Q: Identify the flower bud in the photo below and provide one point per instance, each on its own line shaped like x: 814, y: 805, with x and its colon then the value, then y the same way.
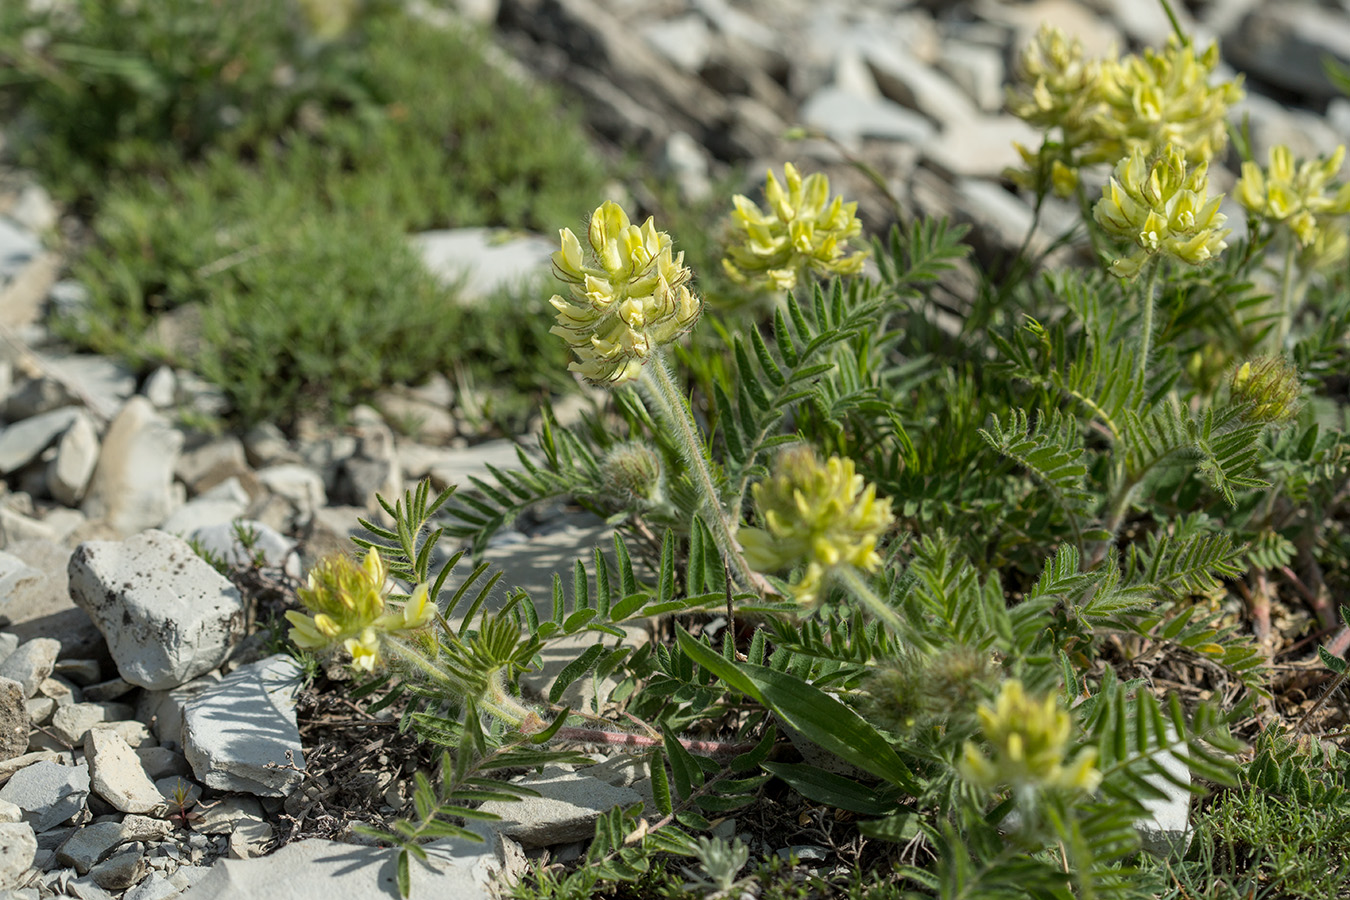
x: 632, y: 472
x: 1270, y: 388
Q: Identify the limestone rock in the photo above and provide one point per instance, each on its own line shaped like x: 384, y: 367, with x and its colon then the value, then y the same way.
x: 117, y: 776
x: 31, y: 663
x: 14, y: 719
x: 21, y: 442
x: 76, y: 456
x: 569, y: 805
x: 316, y: 869
x: 48, y: 793
x: 241, y: 734
x: 18, y: 849
x: 132, y: 487
x: 167, y: 615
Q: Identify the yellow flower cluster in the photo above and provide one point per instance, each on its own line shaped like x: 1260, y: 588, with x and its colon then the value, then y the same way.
x: 348, y: 603
x: 820, y: 514
x: 803, y: 231
x: 630, y: 297
x: 1029, y: 739
x: 1165, y: 98
x: 1163, y: 209
x: 1297, y: 196
x: 1105, y: 110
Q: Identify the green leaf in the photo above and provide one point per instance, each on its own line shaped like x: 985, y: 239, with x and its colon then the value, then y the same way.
x: 578, y: 620
x: 829, y: 723
x: 897, y: 828
x: 574, y: 670
x: 714, y: 662
x: 404, y: 876
x: 1334, y: 663
x: 656, y: 766
x: 816, y: 784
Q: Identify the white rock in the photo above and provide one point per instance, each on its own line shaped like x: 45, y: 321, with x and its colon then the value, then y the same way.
x: 1167, y: 829
x: 21, y: 442
x: 979, y: 147
x: 848, y: 117
x: 241, y: 735
x: 566, y: 810
x: 116, y: 774
x: 99, y: 382
x: 71, y: 722
x: 483, y: 261
x: 913, y: 83
x: 685, y: 40
x: 16, y: 527
x: 316, y: 869
x: 31, y: 663
x: 15, y: 574
x: 132, y: 487
x: 18, y: 849
x: 154, y: 887
x: 76, y: 456
x: 161, y: 388
x: 219, y: 506
x: 40, y: 607
x: 1285, y: 44
x: 977, y: 70
x: 277, y: 550
x: 166, y: 614
x: 298, y: 485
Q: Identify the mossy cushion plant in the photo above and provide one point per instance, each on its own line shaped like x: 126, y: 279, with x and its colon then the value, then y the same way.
x: 269, y: 179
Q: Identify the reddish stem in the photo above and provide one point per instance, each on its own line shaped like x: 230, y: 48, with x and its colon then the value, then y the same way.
x: 641, y: 741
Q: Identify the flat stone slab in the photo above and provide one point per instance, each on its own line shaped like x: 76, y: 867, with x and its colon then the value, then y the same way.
x: 241, y: 735
x: 48, y: 793
x: 166, y: 614
x: 567, y: 810
x: 326, y: 870
x: 483, y: 260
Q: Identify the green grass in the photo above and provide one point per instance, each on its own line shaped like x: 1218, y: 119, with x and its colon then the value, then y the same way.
x: 1284, y: 832
x: 287, y: 231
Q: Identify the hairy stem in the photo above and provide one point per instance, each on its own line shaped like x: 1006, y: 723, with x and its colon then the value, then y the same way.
x: 852, y: 581
x: 1287, y: 293
x: 1150, y: 291
x: 673, y: 412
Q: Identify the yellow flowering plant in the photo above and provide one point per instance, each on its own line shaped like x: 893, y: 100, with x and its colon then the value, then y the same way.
x: 1029, y: 739
x: 1306, y: 210
x: 349, y: 610
x: 803, y: 233
x: 629, y: 298
x: 903, y: 544
x: 818, y: 515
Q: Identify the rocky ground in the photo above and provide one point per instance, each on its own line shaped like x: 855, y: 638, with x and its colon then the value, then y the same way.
x: 149, y: 744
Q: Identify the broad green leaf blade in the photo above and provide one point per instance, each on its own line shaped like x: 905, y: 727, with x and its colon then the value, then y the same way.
x: 829, y: 723
x: 833, y: 790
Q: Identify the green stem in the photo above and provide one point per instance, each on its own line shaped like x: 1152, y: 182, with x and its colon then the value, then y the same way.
x: 673, y: 411
x: 853, y: 582
x: 1287, y: 292
x: 1149, y: 291
x: 1176, y: 23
